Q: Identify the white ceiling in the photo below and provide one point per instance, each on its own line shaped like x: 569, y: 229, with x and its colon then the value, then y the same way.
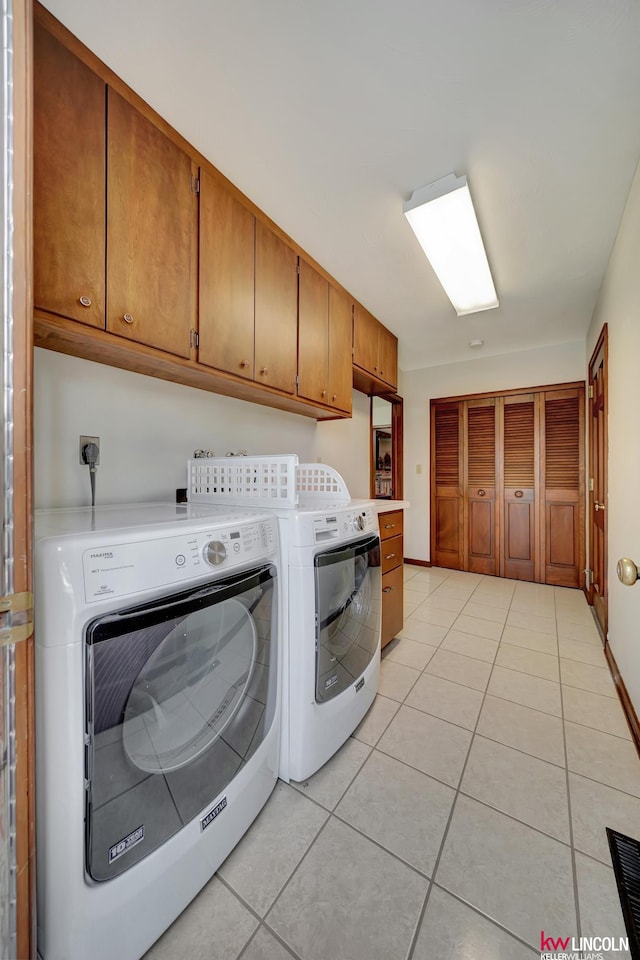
x: 329, y: 113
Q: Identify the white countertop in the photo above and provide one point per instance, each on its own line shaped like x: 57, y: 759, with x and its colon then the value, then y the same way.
x: 384, y: 506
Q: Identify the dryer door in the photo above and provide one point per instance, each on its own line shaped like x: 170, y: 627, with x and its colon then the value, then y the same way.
x: 348, y: 602
x: 180, y: 693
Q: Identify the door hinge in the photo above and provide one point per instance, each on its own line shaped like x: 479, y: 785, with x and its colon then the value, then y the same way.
x: 590, y: 484
x: 590, y: 391
x: 588, y: 577
x: 298, y: 267
x: 195, y: 184
x: 16, y: 605
x: 297, y: 380
x: 194, y: 339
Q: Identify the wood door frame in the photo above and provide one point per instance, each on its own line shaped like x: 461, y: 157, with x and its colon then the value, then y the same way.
x: 397, y: 446
x: 602, y: 344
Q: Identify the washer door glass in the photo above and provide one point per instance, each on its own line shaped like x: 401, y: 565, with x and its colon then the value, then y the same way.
x: 180, y: 695
x: 190, y: 688
x: 348, y: 599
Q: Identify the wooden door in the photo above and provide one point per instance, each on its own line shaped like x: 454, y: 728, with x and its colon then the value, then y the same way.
x: 340, y: 364
x: 519, y: 497
x: 447, y: 541
x: 480, y: 524
x: 598, y: 479
x: 562, y: 533
x: 227, y: 270
x: 69, y: 130
x: 276, y: 311
x: 152, y: 235
x: 365, y: 339
x: 313, y: 334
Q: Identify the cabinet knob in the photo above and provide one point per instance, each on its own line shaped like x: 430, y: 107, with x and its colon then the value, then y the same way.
x: 390, y: 556
x: 264, y: 370
x: 598, y: 506
x: 333, y: 397
x: 518, y: 494
x: 127, y: 318
x: 482, y: 493
x: 244, y: 363
x: 381, y: 372
x: 324, y: 393
x: 85, y: 301
x: 387, y: 589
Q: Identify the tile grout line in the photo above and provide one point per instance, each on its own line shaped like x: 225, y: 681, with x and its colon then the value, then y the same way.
x: 436, y: 865
x: 574, y: 870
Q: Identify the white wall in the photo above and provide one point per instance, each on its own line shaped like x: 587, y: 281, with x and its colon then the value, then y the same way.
x: 148, y: 429
x: 344, y: 445
x: 619, y: 307
x: 529, y: 368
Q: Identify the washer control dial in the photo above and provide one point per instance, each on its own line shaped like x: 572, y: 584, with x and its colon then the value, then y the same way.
x: 358, y: 522
x: 215, y: 553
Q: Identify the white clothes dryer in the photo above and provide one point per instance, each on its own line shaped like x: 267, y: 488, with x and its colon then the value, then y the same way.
x: 157, y: 712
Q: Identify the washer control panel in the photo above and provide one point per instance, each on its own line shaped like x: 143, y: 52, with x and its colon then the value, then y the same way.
x: 120, y: 569
x: 345, y: 524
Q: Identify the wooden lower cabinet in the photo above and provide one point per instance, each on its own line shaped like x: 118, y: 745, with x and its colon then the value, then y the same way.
x: 391, y: 551
x: 507, y: 484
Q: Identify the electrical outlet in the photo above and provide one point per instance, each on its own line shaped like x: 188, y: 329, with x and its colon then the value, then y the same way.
x: 83, y: 442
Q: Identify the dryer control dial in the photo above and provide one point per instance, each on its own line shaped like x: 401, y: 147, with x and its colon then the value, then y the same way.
x: 358, y: 522
x: 215, y: 553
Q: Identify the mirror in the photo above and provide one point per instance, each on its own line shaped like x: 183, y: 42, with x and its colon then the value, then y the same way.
x: 386, y: 448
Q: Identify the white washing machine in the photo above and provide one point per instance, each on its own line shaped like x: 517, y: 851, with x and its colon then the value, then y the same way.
x: 332, y: 640
x: 157, y: 713
x: 331, y: 567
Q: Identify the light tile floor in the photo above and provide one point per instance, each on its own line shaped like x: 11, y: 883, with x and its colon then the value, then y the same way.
x: 465, y: 815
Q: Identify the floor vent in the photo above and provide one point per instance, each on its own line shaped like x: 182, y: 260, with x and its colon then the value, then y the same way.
x: 625, y: 855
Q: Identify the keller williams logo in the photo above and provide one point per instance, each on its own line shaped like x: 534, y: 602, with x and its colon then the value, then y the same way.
x: 581, y: 947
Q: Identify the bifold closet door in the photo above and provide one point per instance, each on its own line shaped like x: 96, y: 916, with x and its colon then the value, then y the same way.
x: 480, y: 519
x: 447, y: 539
x: 562, y: 470
x: 519, y: 494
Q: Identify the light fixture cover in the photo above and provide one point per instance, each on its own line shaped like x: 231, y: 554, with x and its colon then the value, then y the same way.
x: 443, y: 219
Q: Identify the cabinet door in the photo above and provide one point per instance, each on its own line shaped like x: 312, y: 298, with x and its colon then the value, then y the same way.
x: 388, y: 357
x: 480, y: 528
x: 276, y: 311
x: 563, y: 477
x: 392, y: 605
x: 519, y: 486
x: 226, y: 295
x: 365, y: 339
x: 446, y: 501
x: 152, y: 217
x: 69, y: 121
x: 313, y: 334
x: 340, y: 361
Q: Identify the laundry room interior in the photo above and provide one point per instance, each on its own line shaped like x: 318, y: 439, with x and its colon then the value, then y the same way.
x: 330, y: 643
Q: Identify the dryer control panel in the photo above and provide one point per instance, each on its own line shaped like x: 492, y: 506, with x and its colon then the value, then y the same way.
x: 344, y: 524
x: 120, y: 569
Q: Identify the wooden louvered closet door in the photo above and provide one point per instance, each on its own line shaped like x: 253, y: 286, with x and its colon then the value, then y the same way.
x: 507, y: 484
x: 446, y: 486
x: 480, y: 487
x: 563, y: 478
x: 519, y: 467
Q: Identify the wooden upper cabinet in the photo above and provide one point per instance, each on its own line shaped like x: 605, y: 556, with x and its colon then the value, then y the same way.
x: 227, y: 280
x: 68, y: 184
x: 340, y: 366
x: 152, y: 218
x: 375, y: 352
x: 388, y: 356
x: 365, y: 340
x: 324, y: 340
x: 276, y: 304
x: 313, y: 334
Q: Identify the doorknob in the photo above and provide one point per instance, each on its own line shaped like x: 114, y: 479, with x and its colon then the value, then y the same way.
x: 598, y: 506
x: 627, y: 572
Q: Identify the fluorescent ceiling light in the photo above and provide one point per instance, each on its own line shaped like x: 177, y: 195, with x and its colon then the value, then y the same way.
x: 444, y: 221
